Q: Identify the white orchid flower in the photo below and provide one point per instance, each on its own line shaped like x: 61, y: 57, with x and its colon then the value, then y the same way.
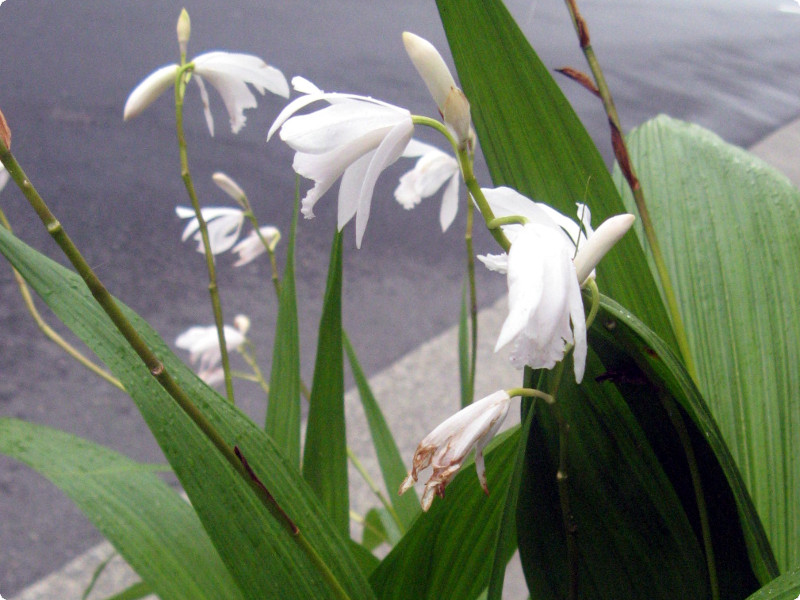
x: 252, y: 246
x: 228, y: 72
x: 447, y: 446
x: 551, y: 256
x: 224, y: 226
x: 355, y: 138
x: 453, y: 104
x: 203, y: 346
x: 433, y: 169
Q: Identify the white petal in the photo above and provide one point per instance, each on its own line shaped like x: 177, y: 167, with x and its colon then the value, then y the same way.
x: 387, y: 153
x: 338, y: 124
x: 230, y: 73
x: 148, y: 90
x: 447, y: 214
x: 601, y: 241
x: 495, y: 262
x: 222, y: 233
x: 252, y: 247
x: 206, y: 106
x: 350, y: 188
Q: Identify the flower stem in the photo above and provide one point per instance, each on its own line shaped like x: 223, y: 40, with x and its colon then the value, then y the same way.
x: 623, y: 159
x: 213, y: 290
x: 473, y: 303
x: 374, y: 488
x: 51, y: 333
x: 157, y: 368
x: 562, y: 477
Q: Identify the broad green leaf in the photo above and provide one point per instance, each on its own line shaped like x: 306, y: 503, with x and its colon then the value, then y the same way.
x: 444, y: 554
x: 262, y: 557
x: 785, y: 587
x: 391, y: 463
x: 728, y: 225
x: 283, y: 408
x: 151, y: 527
x: 325, y: 454
x: 533, y: 141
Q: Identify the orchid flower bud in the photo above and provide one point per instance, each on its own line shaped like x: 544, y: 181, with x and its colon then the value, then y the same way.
x: 184, y: 30
x: 229, y: 186
x: 453, y: 104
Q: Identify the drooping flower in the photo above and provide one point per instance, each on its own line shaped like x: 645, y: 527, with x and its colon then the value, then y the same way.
x: 224, y: 226
x: 354, y: 137
x: 453, y: 104
x: 252, y: 246
x: 551, y: 256
x: 447, y: 446
x: 228, y: 72
x: 432, y: 170
x: 203, y: 346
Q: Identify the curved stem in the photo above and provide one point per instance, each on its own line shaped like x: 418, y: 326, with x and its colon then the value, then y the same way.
x: 375, y: 489
x: 623, y: 159
x: 213, y: 290
x: 51, y: 333
x: 232, y: 455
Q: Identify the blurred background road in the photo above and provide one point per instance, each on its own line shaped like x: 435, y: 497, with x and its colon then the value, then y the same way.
x: 67, y: 68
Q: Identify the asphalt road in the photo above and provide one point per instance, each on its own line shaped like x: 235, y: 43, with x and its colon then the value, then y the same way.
x: 67, y: 68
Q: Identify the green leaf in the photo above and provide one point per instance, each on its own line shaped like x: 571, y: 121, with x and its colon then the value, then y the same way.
x: 533, y: 141
x: 325, y: 455
x: 379, y: 528
x: 728, y: 227
x: 135, y: 592
x: 283, y: 408
x: 630, y: 488
x: 391, y: 463
x: 151, y: 527
x: 443, y: 555
x: 262, y: 557
x: 785, y: 587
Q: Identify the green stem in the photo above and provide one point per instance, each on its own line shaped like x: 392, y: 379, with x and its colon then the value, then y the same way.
x: 374, y: 488
x: 562, y: 479
x: 157, y: 368
x: 51, y: 333
x: 213, y: 290
x: 623, y: 159
x: 248, y: 353
x: 473, y: 302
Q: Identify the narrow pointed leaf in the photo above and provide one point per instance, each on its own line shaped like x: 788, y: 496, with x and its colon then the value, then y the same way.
x: 149, y: 525
x: 443, y: 555
x: 283, y: 409
x: 729, y: 228
x: 785, y: 587
x: 533, y: 141
x: 391, y: 463
x: 262, y: 557
x: 325, y: 454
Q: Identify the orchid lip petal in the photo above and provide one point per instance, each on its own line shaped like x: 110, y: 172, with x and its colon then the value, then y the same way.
x: 600, y: 242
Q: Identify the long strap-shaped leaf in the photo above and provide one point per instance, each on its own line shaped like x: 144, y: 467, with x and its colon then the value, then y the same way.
x: 257, y: 550
x: 150, y: 526
x: 283, y: 409
x: 325, y: 454
x: 533, y: 141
